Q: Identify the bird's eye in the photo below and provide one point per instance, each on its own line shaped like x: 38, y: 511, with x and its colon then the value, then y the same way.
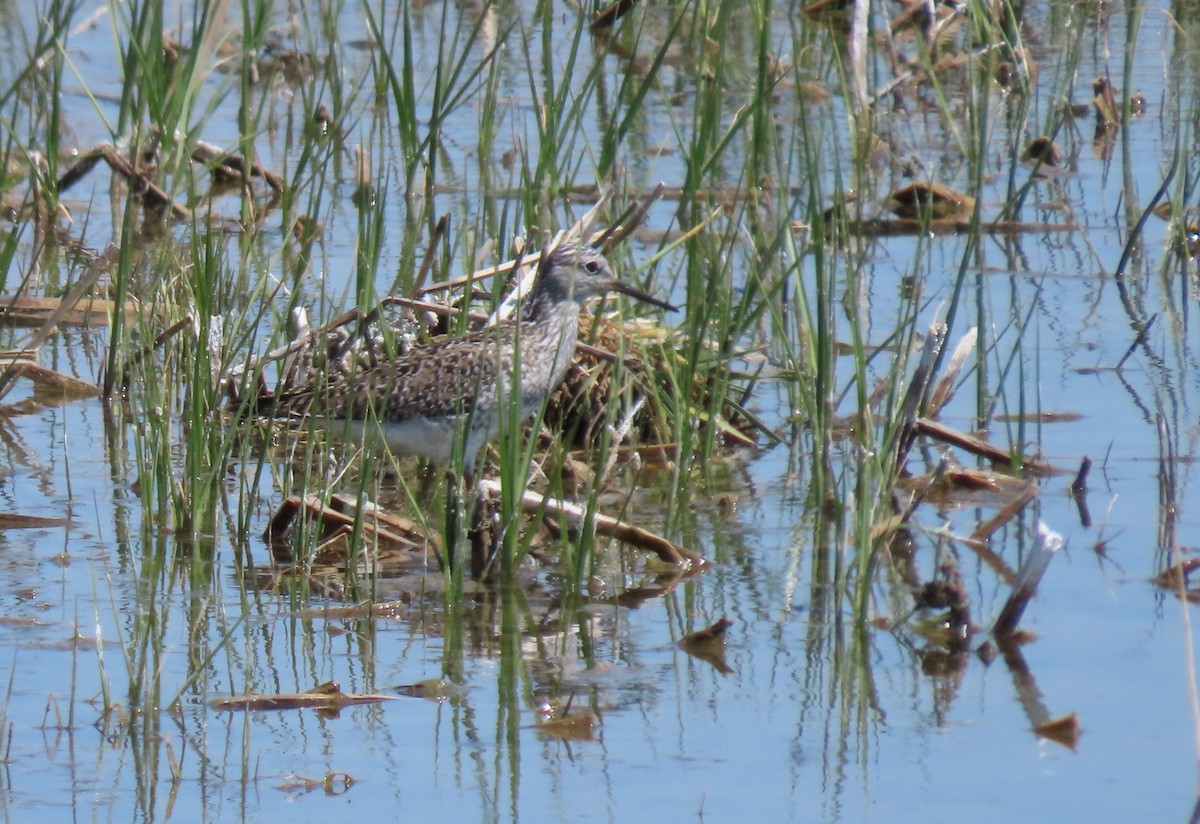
x: 592, y: 267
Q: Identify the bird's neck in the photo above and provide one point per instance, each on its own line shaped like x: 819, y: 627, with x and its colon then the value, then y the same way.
x: 550, y: 327
x: 541, y: 307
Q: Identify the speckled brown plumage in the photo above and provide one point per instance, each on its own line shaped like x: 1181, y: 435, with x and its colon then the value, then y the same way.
x: 422, y: 397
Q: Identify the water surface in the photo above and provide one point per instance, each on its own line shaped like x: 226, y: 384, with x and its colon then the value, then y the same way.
x: 820, y: 716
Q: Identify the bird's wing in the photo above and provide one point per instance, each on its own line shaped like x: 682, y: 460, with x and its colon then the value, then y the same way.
x: 438, y: 380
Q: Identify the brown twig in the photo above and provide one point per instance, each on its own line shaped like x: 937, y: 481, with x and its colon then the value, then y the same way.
x: 1137, y: 341
x: 941, y: 432
x: 160, y: 339
x: 440, y: 230
x: 211, y: 155
x: 635, y: 215
x: 82, y: 166
x: 1079, y: 492
x: 342, y: 512
x: 1006, y: 514
x: 143, y: 188
x: 534, y: 503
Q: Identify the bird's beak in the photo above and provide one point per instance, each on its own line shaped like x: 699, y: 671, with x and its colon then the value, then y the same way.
x: 625, y: 289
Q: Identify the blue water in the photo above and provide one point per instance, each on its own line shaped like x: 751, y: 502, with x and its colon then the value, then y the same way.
x: 819, y: 719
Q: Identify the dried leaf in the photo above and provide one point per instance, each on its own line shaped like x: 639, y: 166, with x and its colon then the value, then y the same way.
x: 1108, y: 113
x: 944, y: 390
x: 709, y: 645
x: 1175, y: 579
x: 1062, y: 730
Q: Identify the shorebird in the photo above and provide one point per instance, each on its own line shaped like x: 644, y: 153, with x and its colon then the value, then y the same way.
x: 454, y: 391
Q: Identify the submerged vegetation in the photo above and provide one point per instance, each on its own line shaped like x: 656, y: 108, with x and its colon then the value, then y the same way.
x: 242, y: 188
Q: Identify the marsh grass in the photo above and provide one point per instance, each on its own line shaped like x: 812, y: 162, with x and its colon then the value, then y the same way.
x: 723, y: 321
x: 764, y: 303
x: 719, y: 320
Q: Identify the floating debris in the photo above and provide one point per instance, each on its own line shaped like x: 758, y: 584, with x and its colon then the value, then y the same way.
x: 13, y: 520
x: 576, y: 515
x: 558, y: 721
x: 327, y: 698
x: 606, y: 18
x: 708, y: 640
x: 401, y: 541
x: 1062, y: 730
x: 708, y: 645
x: 1104, y: 102
x: 930, y: 201
x: 939, y: 431
x: 1176, y: 579
x: 431, y: 689
x: 578, y: 727
x: 1042, y: 150
x: 230, y: 166
x: 335, y: 782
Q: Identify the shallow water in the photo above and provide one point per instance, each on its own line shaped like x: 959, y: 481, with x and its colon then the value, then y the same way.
x: 818, y: 718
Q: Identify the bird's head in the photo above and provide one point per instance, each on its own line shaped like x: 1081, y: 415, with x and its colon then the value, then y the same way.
x: 578, y: 271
